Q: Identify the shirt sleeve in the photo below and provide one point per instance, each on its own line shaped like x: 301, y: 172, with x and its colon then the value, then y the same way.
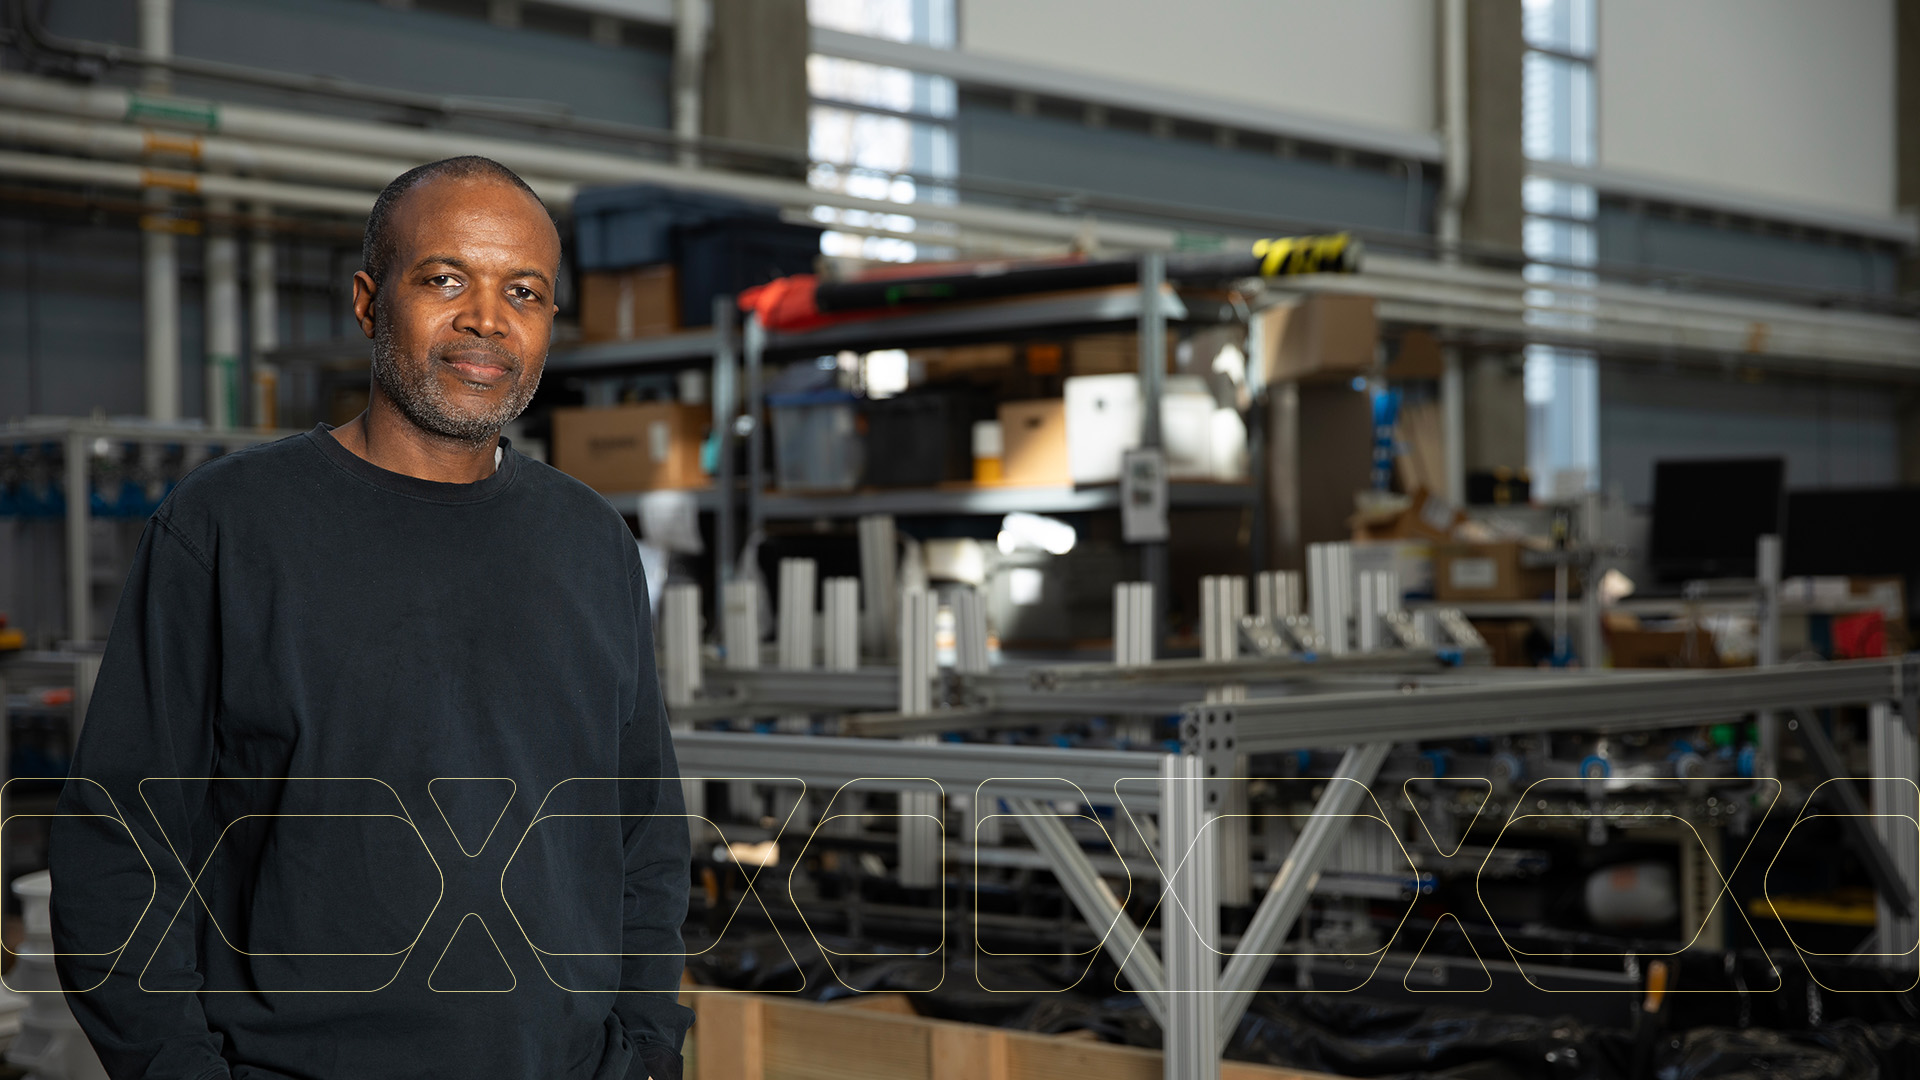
x: 124, y: 929
x: 657, y: 872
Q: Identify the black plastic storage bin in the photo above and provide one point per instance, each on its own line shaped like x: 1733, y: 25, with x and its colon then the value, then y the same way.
x: 724, y: 256
x: 615, y: 228
x: 923, y: 437
x: 718, y: 246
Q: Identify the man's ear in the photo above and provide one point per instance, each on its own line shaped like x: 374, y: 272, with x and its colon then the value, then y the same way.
x: 363, y: 293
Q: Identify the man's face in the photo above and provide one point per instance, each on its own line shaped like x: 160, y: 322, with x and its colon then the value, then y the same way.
x: 461, y: 325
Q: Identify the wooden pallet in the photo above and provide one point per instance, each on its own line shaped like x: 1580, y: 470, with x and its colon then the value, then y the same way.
x: 764, y: 1037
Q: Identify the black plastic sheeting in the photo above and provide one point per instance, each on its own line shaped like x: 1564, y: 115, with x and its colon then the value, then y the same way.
x: 1344, y: 1034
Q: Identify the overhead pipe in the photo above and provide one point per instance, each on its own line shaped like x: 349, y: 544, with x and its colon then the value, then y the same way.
x: 583, y: 166
x: 38, y: 39
x: 140, y: 178
x: 222, y: 153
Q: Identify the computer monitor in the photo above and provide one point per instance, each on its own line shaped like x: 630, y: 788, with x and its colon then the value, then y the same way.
x: 1849, y: 531
x: 1708, y: 516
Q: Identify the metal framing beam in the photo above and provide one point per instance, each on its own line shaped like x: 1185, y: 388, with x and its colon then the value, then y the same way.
x: 1017, y: 771
x: 1606, y: 702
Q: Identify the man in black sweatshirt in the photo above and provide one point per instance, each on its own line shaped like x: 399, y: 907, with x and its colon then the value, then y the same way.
x: 376, y: 780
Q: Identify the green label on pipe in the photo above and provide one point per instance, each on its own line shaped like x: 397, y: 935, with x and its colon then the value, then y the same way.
x: 173, y: 111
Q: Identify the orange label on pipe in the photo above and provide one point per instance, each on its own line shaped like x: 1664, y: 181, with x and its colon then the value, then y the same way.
x: 167, y: 178
x: 159, y: 142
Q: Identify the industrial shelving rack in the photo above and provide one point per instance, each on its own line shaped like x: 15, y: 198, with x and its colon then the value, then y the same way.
x: 739, y: 351
x: 78, y: 439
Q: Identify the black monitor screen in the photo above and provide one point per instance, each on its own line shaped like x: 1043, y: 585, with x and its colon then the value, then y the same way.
x: 1852, y: 531
x: 1708, y: 516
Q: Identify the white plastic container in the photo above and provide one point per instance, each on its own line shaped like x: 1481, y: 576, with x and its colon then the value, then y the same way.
x: 1103, y: 423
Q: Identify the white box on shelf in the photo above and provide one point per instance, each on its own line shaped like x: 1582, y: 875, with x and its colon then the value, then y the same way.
x: 1103, y: 423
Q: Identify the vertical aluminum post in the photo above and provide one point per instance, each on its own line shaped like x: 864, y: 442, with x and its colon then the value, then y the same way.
x: 794, y: 634
x: 1277, y: 594
x: 795, y: 631
x: 879, y: 570
x: 740, y: 626
x: 1330, y: 595
x: 754, y: 348
x: 1133, y: 646
x: 840, y: 600
x: 1895, y: 765
x: 1223, y: 602
x: 1153, y: 376
x: 969, y: 631
x: 79, y: 465
x: 263, y: 302
x: 1767, y: 570
x: 919, y: 836
x: 1189, y: 927
x: 680, y: 642
x: 726, y: 410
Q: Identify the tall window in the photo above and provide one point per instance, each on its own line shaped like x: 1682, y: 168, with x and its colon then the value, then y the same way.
x: 1562, y: 385
x: 874, y: 129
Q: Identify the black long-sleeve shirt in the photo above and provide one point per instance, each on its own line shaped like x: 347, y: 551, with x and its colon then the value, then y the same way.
x: 376, y: 782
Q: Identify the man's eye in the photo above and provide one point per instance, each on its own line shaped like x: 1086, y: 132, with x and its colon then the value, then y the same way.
x: 442, y: 281
x: 524, y: 293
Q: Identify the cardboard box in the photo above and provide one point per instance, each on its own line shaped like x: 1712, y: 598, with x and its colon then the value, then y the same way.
x: 1323, y: 336
x: 632, y: 447
x: 1416, y: 355
x: 1110, y: 354
x: 1638, y: 647
x: 1493, y: 571
x: 1425, y: 517
x: 991, y: 361
x: 1513, y: 642
x: 1033, y: 442
x: 619, y: 305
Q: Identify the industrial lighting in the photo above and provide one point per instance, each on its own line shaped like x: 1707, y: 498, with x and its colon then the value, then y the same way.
x: 1024, y: 586
x: 1034, y: 532
x: 886, y: 372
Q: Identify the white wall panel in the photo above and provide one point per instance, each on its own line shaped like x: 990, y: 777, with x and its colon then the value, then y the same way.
x: 1785, y: 99
x: 1358, y: 61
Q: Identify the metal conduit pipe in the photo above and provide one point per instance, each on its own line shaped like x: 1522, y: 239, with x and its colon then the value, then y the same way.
x: 689, y: 62
x: 159, y: 254
x: 1453, y: 104
x: 140, y: 178
x: 99, y: 138
x: 222, y: 361
x: 264, y: 316
x: 583, y: 166
x: 1453, y: 200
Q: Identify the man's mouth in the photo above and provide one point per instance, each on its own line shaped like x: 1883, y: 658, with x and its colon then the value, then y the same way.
x: 477, y: 367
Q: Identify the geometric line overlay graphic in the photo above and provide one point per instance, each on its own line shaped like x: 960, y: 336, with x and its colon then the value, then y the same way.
x: 472, y: 807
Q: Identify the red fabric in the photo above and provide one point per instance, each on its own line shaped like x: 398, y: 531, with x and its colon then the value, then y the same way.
x: 784, y: 304
x: 1860, y: 636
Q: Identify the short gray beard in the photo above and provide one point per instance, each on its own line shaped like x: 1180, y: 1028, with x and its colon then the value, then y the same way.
x: 415, y: 390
